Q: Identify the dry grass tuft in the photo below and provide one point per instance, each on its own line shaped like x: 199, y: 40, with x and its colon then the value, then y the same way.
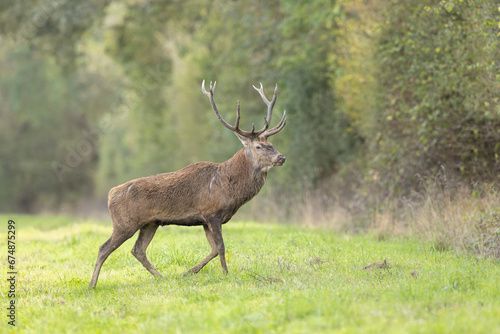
x: 451, y: 217
x: 455, y: 218
x: 461, y: 219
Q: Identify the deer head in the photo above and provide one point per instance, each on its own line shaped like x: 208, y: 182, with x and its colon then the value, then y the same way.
x: 257, y: 147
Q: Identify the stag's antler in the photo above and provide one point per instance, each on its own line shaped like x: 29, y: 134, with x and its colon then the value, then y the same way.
x: 270, y: 104
x: 264, y: 132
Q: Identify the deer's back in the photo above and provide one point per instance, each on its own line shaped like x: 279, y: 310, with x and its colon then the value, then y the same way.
x: 169, y: 198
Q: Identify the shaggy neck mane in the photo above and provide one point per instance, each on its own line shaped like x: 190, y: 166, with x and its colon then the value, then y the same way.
x: 244, y: 177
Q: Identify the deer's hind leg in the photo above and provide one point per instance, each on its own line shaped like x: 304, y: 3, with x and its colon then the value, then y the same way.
x: 118, y: 237
x: 146, y: 234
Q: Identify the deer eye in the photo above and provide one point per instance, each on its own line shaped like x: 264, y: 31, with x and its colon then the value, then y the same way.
x: 258, y: 147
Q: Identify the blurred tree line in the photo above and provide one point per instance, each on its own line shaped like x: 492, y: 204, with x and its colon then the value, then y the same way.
x: 380, y: 95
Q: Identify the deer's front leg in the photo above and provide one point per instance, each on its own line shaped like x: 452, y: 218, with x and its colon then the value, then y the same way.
x: 216, y: 229
x: 210, y: 256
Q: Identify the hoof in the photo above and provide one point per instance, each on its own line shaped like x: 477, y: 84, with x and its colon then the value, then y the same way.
x: 188, y: 273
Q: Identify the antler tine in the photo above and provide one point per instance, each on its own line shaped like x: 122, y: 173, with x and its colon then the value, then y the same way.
x: 212, y: 88
x: 237, y: 123
x: 276, y: 129
x: 270, y: 106
x: 234, y: 128
x: 210, y: 95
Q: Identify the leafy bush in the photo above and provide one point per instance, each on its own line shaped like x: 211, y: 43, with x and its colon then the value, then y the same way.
x: 438, y: 86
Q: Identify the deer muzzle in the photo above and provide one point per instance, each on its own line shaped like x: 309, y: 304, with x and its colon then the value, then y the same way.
x: 280, y: 160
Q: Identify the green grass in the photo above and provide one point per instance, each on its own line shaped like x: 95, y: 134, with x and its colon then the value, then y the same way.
x: 283, y: 279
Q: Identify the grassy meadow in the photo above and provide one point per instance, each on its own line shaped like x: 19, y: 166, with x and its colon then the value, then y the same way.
x: 282, y: 279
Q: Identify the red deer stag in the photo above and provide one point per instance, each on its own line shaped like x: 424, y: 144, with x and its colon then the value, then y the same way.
x: 204, y: 193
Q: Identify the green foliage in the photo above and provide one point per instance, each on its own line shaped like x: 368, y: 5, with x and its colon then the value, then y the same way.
x: 51, y: 27
x: 49, y: 157
x: 281, y: 279
x: 25, y: 166
x: 402, y: 90
x: 439, y: 78
x: 321, y: 134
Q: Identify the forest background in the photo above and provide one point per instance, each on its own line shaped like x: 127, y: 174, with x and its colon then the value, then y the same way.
x: 393, y: 113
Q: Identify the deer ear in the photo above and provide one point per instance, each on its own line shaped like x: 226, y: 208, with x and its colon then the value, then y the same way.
x: 244, y: 140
